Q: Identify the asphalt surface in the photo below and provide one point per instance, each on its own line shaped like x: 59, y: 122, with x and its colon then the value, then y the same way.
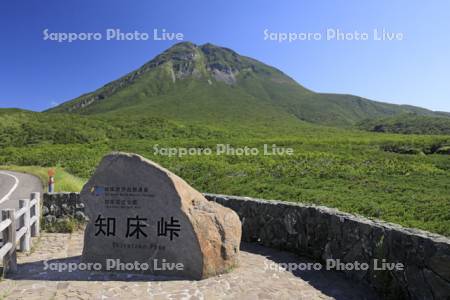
x: 15, y: 186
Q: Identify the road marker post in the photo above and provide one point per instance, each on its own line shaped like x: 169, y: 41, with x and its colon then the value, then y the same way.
x: 51, y: 180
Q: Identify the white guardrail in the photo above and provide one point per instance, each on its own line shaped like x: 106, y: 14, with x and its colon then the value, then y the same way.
x: 16, y: 229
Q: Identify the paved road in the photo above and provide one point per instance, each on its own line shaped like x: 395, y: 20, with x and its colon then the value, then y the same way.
x: 15, y: 186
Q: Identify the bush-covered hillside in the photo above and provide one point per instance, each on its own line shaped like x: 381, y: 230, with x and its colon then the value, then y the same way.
x: 409, y: 124
x: 24, y: 128
x: 351, y: 170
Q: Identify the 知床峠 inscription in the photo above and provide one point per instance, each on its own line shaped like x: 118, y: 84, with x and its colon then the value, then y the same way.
x: 142, y: 214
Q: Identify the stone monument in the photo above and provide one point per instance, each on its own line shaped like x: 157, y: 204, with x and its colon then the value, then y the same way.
x: 145, y: 219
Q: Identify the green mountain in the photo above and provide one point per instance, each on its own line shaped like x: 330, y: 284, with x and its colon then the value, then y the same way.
x: 214, y: 85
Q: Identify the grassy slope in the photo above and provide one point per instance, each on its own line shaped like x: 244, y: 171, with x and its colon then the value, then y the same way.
x: 254, y: 100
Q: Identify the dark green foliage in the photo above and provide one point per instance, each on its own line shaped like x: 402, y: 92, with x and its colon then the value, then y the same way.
x: 409, y: 124
x: 346, y: 169
x: 23, y: 128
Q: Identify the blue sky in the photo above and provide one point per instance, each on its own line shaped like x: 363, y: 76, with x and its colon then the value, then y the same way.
x: 36, y: 73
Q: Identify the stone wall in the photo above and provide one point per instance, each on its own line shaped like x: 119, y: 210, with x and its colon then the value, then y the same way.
x: 327, y: 234
x: 60, y: 206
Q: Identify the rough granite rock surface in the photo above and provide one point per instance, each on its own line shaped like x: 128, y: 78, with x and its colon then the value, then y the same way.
x: 141, y: 212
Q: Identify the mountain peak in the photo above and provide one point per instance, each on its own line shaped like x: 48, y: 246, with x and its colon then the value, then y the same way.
x: 191, y: 45
x: 195, y: 82
x: 207, y: 61
x: 186, y: 45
